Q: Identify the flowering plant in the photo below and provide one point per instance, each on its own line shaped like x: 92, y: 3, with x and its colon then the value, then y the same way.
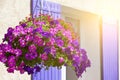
x: 42, y: 42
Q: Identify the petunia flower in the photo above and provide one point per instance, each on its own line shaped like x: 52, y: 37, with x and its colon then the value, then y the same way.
x: 17, y: 52
x: 61, y: 60
x: 11, y: 61
x: 44, y: 56
x: 11, y: 69
x: 32, y: 48
x: 38, y: 41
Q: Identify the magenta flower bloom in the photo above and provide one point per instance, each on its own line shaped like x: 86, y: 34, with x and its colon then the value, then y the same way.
x: 29, y: 30
x: 52, y: 41
x: 22, y: 42
x: 11, y: 69
x: 53, y: 31
x: 53, y: 51
x: 59, y: 42
x: 44, y: 57
x: 54, y: 22
x: 48, y: 44
x: 75, y: 43
x: 31, y: 55
x: 17, y: 31
x: 21, y: 68
x: 3, y: 58
x: 76, y: 60
x: 67, y: 34
x: 6, y: 47
x: 61, y: 60
x: 32, y: 48
x: 28, y: 38
x: 38, y: 41
x: 40, y: 23
x: 67, y: 50
x: 17, y: 52
x: 11, y: 61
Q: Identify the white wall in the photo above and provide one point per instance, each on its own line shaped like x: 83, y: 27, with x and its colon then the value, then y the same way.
x: 11, y: 12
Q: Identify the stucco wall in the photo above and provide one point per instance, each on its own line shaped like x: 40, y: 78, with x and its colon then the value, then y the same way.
x: 11, y: 12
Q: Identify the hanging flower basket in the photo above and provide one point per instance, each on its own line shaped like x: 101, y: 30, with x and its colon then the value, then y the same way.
x: 42, y: 42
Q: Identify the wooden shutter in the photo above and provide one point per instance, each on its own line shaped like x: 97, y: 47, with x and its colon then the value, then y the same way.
x: 53, y: 9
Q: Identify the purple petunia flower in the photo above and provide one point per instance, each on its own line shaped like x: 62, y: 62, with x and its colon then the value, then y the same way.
x: 23, y: 25
x: 48, y: 43
x: 88, y: 63
x: 59, y: 42
x: 3, y: 58
x: 44, y: 56
x: 6, y: 47
x: 46, y: 34
x: 52, y: 41
x: 29, y: 29
x: 54, y: 22
x: 67, y: 50
x: 22, y: 42
x: 11, y: 69
x: 29, y: 70
x: 11, y: 61
x: 39, y: 30
x: 8, y: 36
x: 37, y: 68
x: 39, y: 23
x: 47, y: 50
x: 16, y: 33
x: 82, y: 51
x: 67, y: 34
x: 31, y: 55
x: 10, y: 30
x: 18, y: 30
x: 17, y: 52
x: 38, y: 41
x: 83, y: 55
x: 76, y: 60
x: 21, y: 68
x: 53, y: 51
x: 53, y: 31
x: 10, y: 39
x: 75, y: 43
x: 32, y: 48
x: 29, y: 37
